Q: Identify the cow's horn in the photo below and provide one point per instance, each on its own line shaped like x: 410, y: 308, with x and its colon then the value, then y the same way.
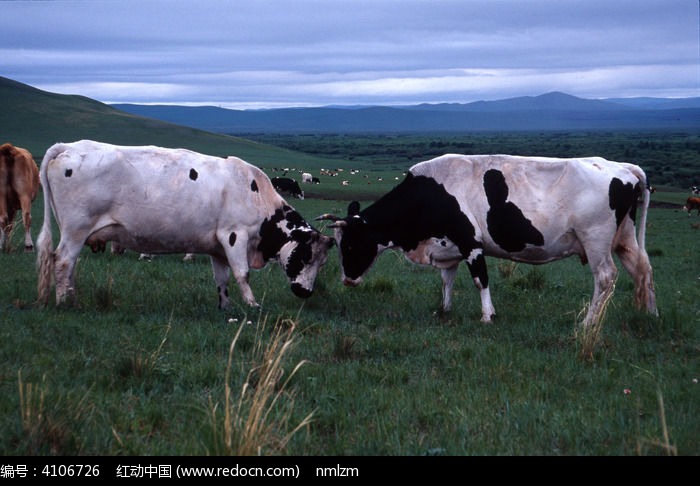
x: 327, y: 217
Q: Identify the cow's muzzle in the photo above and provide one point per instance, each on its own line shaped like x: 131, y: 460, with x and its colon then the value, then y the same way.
x: 300, y: 291
x: 349, y: 282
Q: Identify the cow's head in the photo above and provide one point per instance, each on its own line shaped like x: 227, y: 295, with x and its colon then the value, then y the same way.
x: 300, y: 249
x: 356, y: 242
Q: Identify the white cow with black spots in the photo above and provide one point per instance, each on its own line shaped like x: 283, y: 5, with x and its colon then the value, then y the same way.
x: 534, y: 210
x: 159, y: 200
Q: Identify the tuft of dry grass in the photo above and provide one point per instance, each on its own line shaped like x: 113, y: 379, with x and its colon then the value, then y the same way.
x: 343, y: 347
x: 507, y: 268
x: 256, y: 420
x: 104, y: 299
x: 31, y: 404
x: 10, y: 235
x: 140, y: 364
x: 48, y: 424
x: 665, y: 443
x: 588, y: 336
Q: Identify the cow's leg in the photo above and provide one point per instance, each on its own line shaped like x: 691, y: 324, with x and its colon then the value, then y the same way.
x: 448, y: 281
x: 476, y: 263
x: 636, y: 262
x: 26, y: 204
x: 604, y: 276
x: 64, y: 264
x: 236, y: 247
x: 5, y: 222
x: 222, y: 272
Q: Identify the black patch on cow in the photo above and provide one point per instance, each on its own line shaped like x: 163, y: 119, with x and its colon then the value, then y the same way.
x: 232, y: 239
x: 272, y: 238
x: 417, y: 209
x: 193, y: 174
x: 254, y: 186
x: 507, y: 224
x: 69, y: 172
x: 477, y: 269
x: 218, y: 293
x: 623, y: 199
x: 300, y: 291
x: 294, y: 219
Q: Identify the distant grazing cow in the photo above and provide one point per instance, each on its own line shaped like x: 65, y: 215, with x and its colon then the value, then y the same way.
x: 306, y: 178
x: 158, y: 200
x: 285, y: 185
x: 19, y: 185
x: 692, y: 203
x: 527, y: 209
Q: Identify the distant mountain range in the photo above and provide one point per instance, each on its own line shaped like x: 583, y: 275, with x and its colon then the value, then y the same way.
x: 547, y: 112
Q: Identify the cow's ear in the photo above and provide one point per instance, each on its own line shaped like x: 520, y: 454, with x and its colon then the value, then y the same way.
x: 353, y: 208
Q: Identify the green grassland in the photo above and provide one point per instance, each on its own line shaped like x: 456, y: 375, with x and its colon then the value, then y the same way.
x: 142, y: 366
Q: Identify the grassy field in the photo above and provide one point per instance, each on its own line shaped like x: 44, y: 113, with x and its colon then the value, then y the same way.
x: 147, y: 365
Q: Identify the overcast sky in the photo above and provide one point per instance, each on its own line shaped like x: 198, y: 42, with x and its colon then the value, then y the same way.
x: 258, y: 53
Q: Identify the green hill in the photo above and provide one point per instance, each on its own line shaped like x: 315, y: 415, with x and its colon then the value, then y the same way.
x: 36, y: 119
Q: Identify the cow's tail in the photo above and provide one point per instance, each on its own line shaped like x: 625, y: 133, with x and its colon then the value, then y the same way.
x: 645, y: 295
x: 45, y: 254
x: 646, y: 199
x: 641, y: 221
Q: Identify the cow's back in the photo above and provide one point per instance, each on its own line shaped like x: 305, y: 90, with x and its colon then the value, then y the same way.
x: 154, y: 181
x: 534, y: 183
x: 182, y: 196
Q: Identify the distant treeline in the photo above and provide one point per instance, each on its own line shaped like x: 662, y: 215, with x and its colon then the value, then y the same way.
x: 671, y: 159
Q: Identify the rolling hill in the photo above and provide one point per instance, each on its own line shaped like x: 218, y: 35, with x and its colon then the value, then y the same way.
x: 547, y: 112
x: 36, y: 119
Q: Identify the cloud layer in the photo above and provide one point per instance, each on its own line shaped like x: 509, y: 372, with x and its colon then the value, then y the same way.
x: 315, y: 52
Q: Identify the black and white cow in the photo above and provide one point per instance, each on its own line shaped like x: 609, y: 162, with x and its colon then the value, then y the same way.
x: 158, y: 200
x: 285, y: 185
x: 527, y: 209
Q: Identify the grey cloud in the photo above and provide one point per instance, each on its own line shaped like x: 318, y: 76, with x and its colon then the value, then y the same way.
x: 326, y: 51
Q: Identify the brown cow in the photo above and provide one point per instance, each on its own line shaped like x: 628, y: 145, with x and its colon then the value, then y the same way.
x: 692, y: 203
x: 19, y: 184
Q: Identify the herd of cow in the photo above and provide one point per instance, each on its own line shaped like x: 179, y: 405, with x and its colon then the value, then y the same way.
x: 450, y: 209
